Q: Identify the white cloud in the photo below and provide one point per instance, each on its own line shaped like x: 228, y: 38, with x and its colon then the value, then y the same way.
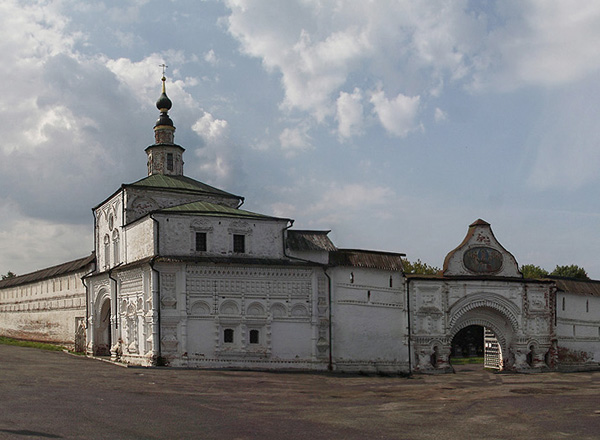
x: 397, y: 115
x: 341, y: 197
x: 295, y: 139
x: 541, y: 43
x: 440, y: 115
x: 211, y: 58
x: 219, y: 158
x: 350, y: 113
x: 323, y: 48
x: 211, y: 129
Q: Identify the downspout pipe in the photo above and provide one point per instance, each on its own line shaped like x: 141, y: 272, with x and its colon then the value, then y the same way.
x: 409, y: 325
x: 116, y: 296
x: 87, y: 295
x: 156, y: 290
x: 324, y: 266
x: 330, y: 365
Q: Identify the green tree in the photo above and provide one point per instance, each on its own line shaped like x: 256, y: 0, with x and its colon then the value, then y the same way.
x: 9, y: 274
x: 571, y: 271
x: 418, y: 267
x: 532, y: 271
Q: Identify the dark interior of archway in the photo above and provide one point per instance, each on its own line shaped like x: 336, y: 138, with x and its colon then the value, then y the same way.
x: 468, y: 343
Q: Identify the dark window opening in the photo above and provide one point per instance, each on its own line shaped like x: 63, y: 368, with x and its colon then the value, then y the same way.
x: 351, y: 277
x: 254, y: 336
x: 170, y: 161
x: 239, y: 243
x: 587, y: 306
x: 391, y: 281
x: 200, y: 241
x: 228, y: 336
x: 563, y: 303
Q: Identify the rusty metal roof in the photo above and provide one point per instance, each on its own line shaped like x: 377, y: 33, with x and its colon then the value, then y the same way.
x: 302, y: 240
x: 50, y: 272
x: 366, y: 259
x: 577, y: 287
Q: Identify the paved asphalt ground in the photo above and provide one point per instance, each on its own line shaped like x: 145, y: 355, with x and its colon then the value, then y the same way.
x: 53, y: 395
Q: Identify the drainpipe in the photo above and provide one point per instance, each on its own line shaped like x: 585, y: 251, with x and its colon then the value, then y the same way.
x: 87, y: 299
x: 324, y: 266
x: 330, y: 366
x: 118, y: 315
x: 409, y: 325
x: 156, y: 290
x: 123, y: 246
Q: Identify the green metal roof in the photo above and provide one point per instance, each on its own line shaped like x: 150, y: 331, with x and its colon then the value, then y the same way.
x: 206, y: 208
x: 161, y: 181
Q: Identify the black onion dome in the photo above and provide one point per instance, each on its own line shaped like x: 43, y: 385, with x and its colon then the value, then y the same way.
x: 164, y: 104
x: 164, y: 120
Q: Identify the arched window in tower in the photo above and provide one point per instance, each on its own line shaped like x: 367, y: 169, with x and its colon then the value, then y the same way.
x: 106, y: 251
x: 116, y: 247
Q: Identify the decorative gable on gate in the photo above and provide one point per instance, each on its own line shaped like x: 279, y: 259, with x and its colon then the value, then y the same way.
x: 480, y: 254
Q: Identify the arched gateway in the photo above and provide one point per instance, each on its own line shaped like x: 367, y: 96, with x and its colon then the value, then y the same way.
x: 481, y: 285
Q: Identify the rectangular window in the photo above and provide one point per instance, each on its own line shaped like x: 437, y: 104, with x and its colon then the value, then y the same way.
x: 239, y: 243
x: 254, y: 336
x: 200, y: 241
x: 170, y: 161
x: 228, y: 336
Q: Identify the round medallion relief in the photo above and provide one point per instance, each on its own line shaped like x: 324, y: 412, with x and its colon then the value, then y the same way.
x: 484, y: 260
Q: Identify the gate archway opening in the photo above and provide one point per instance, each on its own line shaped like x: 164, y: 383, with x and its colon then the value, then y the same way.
x: 476, y: 345
x: 495, y: 333
x: 103, y: 330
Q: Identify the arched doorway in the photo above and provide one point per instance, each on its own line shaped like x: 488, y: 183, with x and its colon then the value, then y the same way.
x: 486, y: 332
x: 103, y: 330
x: 476, y: 345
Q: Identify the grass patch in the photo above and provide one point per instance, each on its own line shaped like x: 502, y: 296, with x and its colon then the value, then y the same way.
x: 32, y: 344
x: 464, y: 361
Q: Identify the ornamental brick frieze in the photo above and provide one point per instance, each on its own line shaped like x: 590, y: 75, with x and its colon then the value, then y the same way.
x: 485, y: 300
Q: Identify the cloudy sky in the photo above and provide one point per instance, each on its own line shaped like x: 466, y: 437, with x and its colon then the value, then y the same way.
x: 394, y: 123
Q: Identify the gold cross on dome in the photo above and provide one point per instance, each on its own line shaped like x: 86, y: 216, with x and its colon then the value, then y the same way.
x: 164, y: 67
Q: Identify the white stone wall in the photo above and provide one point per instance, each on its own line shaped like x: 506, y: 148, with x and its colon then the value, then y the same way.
x: 577, y: 330
x: 264, y: 238
x: 48, y: 310
x: 369, y: 320
x: 109, y: 233
x: 199, y: 303
x: 139, y: 240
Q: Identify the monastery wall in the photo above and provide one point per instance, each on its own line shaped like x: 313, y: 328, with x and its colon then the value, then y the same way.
x: 577, y: 330
x: 49, y: 310
x: 369, y: 320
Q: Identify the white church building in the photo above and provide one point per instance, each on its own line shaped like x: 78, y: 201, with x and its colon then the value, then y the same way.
x: 182, y: 276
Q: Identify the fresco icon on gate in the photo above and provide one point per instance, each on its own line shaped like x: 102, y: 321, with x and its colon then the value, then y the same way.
x: 484, y: 260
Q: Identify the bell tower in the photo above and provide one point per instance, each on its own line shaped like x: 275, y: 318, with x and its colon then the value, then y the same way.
x: 164, y: 157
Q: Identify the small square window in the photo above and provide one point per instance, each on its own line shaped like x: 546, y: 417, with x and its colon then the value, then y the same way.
x: 239, y: 243
x: 170, y: 161
x: 200, y: 241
